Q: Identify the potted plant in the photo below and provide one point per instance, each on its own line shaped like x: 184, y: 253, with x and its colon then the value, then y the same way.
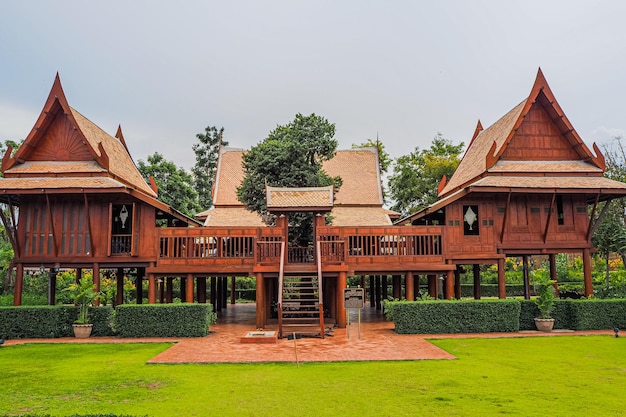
x: 545, y: 302
x: 84, y: 293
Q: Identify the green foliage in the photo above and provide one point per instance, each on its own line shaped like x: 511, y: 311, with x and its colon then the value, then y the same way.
x: 203, y: 171
x: 163, y: 320
x: 176, y: 186
x: 384, y: 160
x: 598, y: 314
x: 545, y: 294
x: 413, y: 184
x: 84, y: 295
x: 290, y: 156
x: 431, y: 317
x: 49, y: 321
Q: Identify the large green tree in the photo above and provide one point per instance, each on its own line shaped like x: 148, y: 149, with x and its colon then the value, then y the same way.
x: 174, y: 183
x: 6, y: 249
x: 206, y: 150
x: 290, y: 156
x: 610, y: 235
x: 413, y: 184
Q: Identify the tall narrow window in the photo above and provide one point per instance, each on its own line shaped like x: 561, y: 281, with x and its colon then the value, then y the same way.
x: 470, y: 220
x: 121, y: 228
x: 559, y: 210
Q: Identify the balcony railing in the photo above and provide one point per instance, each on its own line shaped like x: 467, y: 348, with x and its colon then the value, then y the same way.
x: 336, y: 245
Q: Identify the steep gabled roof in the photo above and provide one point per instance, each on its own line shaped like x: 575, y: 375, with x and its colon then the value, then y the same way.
x: 64, y: 139
x: 512, y: 139
x: 358, y: 201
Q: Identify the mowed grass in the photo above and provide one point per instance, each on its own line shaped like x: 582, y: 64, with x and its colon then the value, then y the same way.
x: 557, y: 376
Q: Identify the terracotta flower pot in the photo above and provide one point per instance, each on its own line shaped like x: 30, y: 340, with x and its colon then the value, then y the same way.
x: 544, y: 325
x: 82, y: 331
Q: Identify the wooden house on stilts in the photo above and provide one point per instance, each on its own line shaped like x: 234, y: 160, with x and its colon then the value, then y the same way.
x: 527, y: 185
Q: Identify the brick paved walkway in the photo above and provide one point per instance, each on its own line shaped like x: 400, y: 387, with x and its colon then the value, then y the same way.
x: 377, y: 341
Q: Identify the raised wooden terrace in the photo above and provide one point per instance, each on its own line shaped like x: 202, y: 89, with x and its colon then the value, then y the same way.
x: 355, y: 250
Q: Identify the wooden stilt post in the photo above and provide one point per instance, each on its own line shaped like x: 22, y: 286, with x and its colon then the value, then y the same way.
x: 372, y: 292
x: 378, y: 293
x: 201, y: 289
x: 383, y: 283
x: 397, y: 287
x: 79, y: 275
x: 139, y: 285
x: 233, y: 295
x: 409, y: 286
x: 260, y: 300
x: 457, y: 282
x: 19, y: 285
x: 161, y: 289
x: 189, y: 289
x: 587, y: 273
x: 526, y: 277
x: 432, y: 286
x: 476, y: 270
x: 449, y: 285
x: 96, y: 281
x: 119, y: 286
x: 553, y: 274
x: 183, y: 289
x: 501, y: 279
x: 169, y: 290
x: 152, y: 289
x: 52, y: 286
x: 214, y: 293
x: 341, y: 308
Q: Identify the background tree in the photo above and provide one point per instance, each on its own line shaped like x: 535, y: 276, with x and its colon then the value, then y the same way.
x: 290, y: 156
x: 6, y: 249
x: 174, y: 183
x: 207, y: 151
x: 413, y: 184
x: 610, y: 236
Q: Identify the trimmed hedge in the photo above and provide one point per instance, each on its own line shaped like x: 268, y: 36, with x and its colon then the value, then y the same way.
x: 465, y: 316
x: 476, y: 316
x: 163, y: 320
x: 50, y: 321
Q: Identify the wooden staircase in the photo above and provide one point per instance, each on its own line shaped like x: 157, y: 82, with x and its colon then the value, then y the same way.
x: 300, y: 305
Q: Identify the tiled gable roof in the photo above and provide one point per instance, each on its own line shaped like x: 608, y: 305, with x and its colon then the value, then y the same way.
x: 509, y: 139
x: 79, y: 147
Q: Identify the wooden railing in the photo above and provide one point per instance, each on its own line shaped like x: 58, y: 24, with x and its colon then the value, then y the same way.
x: 337, y: 245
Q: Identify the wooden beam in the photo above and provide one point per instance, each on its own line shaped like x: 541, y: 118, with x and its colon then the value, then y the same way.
x: 88, y: 221
x: 505, y: 217
x: 51, y: 227
x: 593, y: 212
x: 545, y: 230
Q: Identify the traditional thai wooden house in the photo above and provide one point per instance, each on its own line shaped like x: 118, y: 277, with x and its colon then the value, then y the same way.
x: 527, y: 185
x: 82, y: 202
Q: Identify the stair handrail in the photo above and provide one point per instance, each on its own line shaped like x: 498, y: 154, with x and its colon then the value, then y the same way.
x: 281, y: 274
x: 319, y: 288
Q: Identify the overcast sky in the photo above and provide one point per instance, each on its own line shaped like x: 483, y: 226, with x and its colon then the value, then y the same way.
x: 402, y: 70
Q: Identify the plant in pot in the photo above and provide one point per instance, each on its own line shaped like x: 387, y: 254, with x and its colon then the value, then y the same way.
x: 84, y: 293
x: 545, y: 302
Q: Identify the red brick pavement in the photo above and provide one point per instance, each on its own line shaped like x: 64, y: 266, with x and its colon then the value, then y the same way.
x: 377, y: 341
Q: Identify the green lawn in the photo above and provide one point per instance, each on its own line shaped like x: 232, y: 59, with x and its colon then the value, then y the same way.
x: 557, y: 376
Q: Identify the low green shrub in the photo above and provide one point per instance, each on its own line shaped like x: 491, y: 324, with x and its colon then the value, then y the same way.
x: 465, y: 316
x: 50, y: 321
x: 598, y: 314
x: 529, y: 310
x: 163, y: 320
